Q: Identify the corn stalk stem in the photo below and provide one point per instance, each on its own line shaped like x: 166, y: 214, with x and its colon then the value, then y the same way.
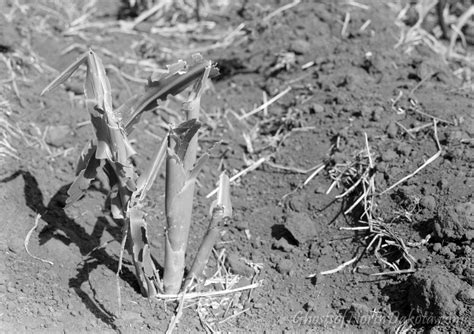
x: 178, y: 207
x: 180, y: 181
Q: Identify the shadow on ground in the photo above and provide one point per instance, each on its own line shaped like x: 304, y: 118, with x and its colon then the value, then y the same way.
x: 61, y: 227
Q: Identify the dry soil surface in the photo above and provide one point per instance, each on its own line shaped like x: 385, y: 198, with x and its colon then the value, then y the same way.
x: 350, y: 90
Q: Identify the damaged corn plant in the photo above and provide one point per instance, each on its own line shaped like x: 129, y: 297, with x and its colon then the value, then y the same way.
x: 111, y: 152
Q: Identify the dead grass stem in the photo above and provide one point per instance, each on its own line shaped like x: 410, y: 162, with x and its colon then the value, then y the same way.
x: 27, y: 241
x: 381, y: 240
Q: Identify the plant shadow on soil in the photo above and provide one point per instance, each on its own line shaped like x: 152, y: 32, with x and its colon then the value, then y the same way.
x: 89, y: 244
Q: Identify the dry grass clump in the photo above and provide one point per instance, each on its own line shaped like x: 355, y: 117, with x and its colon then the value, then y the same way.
x: 382, y: 239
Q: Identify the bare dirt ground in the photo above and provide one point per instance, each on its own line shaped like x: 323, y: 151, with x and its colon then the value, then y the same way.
x: 353, y: 101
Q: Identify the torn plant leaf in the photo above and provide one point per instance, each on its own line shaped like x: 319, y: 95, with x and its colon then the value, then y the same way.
x: 182, y: 135
x: 66, y: 73
x: 162, y: 85
x: 145, y: 181
x: 144, y: 265
x: 112, y: 142
x: 87, y: 169
x: 191, y: 109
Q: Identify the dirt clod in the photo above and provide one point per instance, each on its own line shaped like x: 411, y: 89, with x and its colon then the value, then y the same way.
x: 300, y: 47
x: 389, y: 155
x: 428, y: 202
x: 296, y: 203
x: 237, y: 265
x: 392, y: 130
x: 301, y: 226
x: 283, y: 245
x: 316, y: 108
x: 456, y: 222
x: 469, y: 275
x: 58, y: 135
x: 466, y: 296
x: 357, y: 312
x: 433, y: 291
x: 285, y: 266
x: 404, y: 148
x: 377, y: 114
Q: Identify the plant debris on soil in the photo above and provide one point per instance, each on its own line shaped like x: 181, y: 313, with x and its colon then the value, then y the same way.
x: 347, y: 132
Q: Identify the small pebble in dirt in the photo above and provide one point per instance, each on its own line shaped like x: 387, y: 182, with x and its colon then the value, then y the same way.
x: 455, y: 137
x: 379, y: 179
x: 316, y: 108
x: 377, y: 114
x: 446, y: 252
x: 452, y: 247
x: 283, y: 245
x: 421, y: 262
x: 240, y: 224
x: 392, y: 130
x: 437, y: 247
x: 389, y: 155
x: 257, y: 242
x: 11, y: 288
x: 358, y: 312
x: 428, y: 202
x: 309, y: 306
x: 443, y: 184
x: 320, y: 190
x: 284, y: 266
x: 314, y: 251
x: 258, y: 305
x: 467, y: 251
x: 404, y: 148
x: 457, y: 269
x: 365, y: 111
x: 300, y: 46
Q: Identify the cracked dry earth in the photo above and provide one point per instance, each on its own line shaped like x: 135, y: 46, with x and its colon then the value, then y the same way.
x: 342, y: 88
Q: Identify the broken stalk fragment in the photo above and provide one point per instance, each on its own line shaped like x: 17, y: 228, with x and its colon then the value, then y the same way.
x: 221, y: 212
